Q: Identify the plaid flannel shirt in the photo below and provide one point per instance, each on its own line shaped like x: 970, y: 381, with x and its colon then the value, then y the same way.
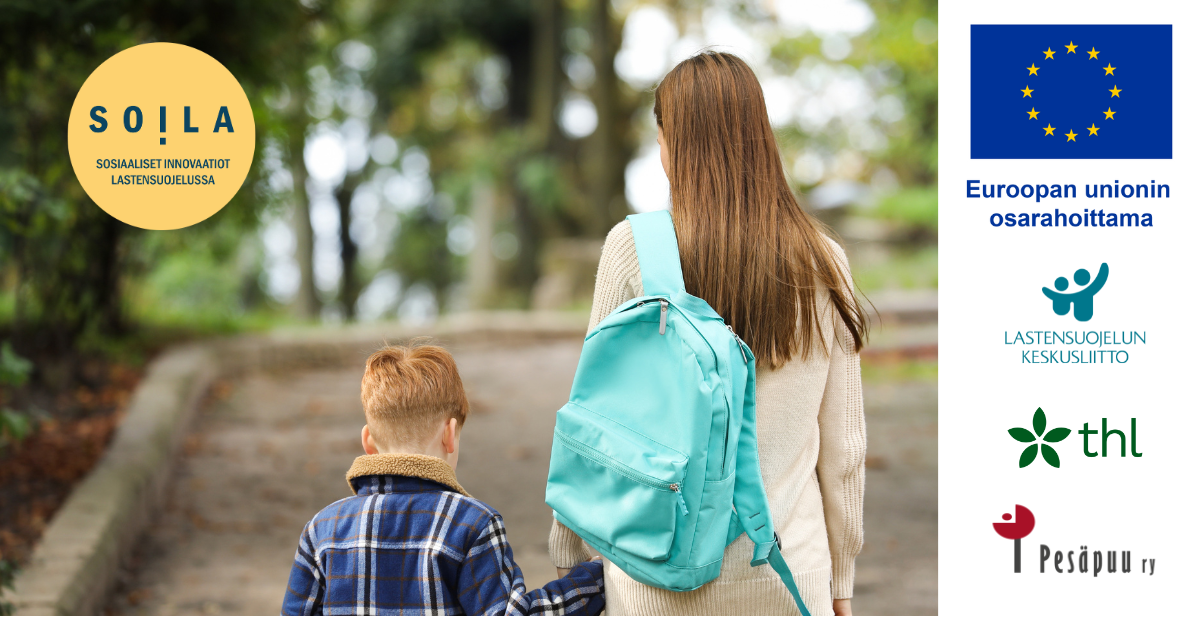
x: 405, y: 545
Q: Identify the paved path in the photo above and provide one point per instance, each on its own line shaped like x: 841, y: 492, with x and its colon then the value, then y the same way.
x: 272, y: 449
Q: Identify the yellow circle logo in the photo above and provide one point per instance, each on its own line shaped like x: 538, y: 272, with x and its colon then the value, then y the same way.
x: 161, y: 136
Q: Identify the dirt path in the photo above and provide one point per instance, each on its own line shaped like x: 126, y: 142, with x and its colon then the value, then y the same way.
x: 272, y: 450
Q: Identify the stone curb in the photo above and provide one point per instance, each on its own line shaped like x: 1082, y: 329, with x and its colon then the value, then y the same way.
x: 75, y: 564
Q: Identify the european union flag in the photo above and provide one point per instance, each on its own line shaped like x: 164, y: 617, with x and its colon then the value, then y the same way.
x: 1070, y: 92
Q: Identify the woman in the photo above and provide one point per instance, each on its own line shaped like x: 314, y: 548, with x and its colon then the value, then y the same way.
x: 751, y: 252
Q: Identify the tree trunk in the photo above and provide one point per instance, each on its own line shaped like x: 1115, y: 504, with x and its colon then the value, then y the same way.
x: 546, y: 88
x: 308, y: 305
x: 606, y: 149
x: 547, y: 80
x: 108, y: 286
x: 348, y: 294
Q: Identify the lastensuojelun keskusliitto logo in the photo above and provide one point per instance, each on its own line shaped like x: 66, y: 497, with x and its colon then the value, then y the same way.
x: 1039, y: 439
x: 161, y: 136
x: 1070, y: 337
x: 1083, y: 560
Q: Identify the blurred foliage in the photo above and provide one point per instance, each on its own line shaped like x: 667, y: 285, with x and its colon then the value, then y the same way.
x: 8, y: 572
x: 14, y: 373
x: 469, y: 89
x: 192, y: 291
x: 903, y: 269
x: 477, y: 86
x: 911, y: 207
x: 897, y: 58
x: 896, y: 62
x: 420, y: 253
x: 895, y: 39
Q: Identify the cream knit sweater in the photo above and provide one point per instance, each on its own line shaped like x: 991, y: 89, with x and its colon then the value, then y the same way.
x: 812, y: 444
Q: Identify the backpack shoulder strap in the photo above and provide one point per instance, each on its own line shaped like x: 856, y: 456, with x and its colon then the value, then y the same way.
x: 750, y: 499
x: 657, y: 252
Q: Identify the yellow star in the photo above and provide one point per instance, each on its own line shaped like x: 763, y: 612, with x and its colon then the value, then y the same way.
x: 1092, y: 53
x: 1108, y: 114
x: 1027, y: 91
x: 1116, y: 92
x: 1071, y: 135
x: 1109, y: 69
x: 1049, y: 129
x: 1093, y: 129
x: 1033, y: 113
x: 1049, y: 53
x: 1071, y: 47
x: 1033, y: 69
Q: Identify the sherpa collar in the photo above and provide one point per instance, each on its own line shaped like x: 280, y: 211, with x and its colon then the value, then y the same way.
x: 405, y: 465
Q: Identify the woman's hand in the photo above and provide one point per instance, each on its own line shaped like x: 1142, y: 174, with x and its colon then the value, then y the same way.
x: 841, y: 607
x: 562, y: 573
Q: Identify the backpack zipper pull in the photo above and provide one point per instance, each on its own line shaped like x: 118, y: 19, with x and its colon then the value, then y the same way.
x: 679, y: 495
x: 739, y: 342
x: 662, y: 323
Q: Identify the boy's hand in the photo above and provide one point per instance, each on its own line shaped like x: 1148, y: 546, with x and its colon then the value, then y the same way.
x: 562, y: 573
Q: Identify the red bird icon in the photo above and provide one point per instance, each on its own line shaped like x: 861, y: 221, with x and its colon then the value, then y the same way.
x: 1015, y: 530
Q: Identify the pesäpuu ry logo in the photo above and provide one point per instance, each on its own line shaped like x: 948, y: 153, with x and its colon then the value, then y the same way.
x: 1082, y: 300
x: 1016, y: 531
x: 1070, y: 561
x: 1036, y: 439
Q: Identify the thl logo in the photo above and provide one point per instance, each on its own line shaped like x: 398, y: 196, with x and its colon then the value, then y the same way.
x: 1039, y: 437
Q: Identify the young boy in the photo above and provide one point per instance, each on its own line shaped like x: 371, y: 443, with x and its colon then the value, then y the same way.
x: 411, y: 540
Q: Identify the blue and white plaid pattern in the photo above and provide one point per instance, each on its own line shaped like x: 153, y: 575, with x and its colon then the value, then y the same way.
x: 405, y: 545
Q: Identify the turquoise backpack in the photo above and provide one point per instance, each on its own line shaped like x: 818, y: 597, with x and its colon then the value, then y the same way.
x: 657, y: 446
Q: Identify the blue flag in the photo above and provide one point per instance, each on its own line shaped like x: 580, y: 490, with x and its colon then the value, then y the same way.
x: 1070, y: 92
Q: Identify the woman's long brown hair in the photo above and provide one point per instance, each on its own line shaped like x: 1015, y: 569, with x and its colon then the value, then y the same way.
x: 745, y: 244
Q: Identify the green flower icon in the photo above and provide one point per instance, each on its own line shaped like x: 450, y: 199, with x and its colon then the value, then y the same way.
x: 1057, y: 434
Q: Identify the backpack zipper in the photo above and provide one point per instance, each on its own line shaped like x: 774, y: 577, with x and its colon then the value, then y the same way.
x: 741, y: 343
x: 679, y: 496
x: 626, y: 471
x: 662, y: 315
x: 728, y: 409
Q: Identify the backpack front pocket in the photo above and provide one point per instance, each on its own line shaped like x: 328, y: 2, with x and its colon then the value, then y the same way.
x: 616, y: 484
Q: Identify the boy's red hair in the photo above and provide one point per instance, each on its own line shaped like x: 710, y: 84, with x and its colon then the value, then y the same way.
x: 407, y: 392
